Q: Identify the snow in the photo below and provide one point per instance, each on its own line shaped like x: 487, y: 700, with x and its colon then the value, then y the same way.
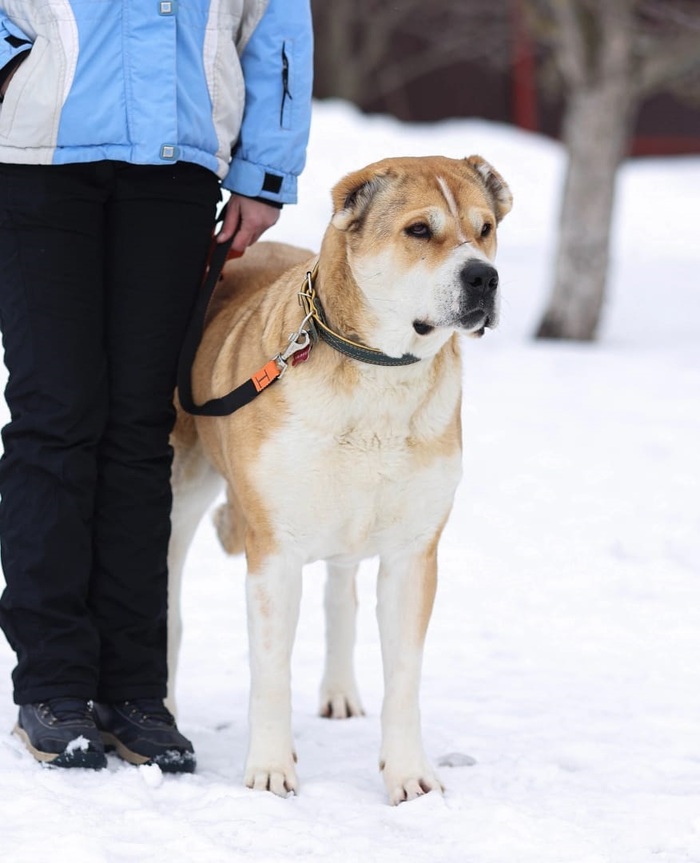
x: 79, y: 744
x: 562, y: 657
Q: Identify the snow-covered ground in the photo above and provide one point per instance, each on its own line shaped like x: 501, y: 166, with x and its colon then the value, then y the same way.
x: 564, y: 651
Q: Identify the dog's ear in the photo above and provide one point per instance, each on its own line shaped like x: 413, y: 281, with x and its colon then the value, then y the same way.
x: 495, y: 184
x: 353, y: 195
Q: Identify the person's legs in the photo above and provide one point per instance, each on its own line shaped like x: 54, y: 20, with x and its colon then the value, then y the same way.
x: 159, y: 227
x: 99, y: 266
x: 51, y: 309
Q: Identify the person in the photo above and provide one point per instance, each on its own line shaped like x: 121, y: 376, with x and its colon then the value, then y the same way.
x: 120, y: 124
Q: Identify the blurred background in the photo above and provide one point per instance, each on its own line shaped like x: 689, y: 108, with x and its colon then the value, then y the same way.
x: 610, y: 79
x: 495, y: 59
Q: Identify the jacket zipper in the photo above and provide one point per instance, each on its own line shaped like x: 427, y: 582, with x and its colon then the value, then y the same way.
x: 285, y: 83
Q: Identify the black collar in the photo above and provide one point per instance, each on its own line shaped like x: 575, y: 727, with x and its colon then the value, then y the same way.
x: 356, y: 351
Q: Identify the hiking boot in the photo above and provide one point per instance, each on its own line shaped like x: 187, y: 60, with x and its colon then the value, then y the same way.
x: 143, y: 731
x: 61, y: 732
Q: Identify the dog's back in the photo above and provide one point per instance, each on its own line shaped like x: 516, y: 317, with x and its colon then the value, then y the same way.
x: 253, y: 272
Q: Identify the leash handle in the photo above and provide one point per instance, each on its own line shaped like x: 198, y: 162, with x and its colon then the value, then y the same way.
x: 241, y: 395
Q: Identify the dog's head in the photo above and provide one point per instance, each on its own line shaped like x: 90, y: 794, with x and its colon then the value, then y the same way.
x: 419, y: 238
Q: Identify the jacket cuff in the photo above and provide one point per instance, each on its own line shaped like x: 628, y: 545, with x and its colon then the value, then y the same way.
x: 257, y: 181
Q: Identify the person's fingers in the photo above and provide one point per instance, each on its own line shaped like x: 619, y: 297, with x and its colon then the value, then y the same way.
x: 232, y: 220
x: 248, y: 223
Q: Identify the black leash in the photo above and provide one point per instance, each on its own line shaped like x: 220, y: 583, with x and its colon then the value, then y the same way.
x: 299, y: 342
x: 243, y: 394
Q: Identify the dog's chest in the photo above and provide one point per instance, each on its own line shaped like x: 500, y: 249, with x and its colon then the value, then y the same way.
x: 347, y: 477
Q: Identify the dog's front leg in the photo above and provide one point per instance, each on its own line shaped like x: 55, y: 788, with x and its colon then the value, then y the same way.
x: 339, y: 695
x: 273, y: 594
x: 405, y: 592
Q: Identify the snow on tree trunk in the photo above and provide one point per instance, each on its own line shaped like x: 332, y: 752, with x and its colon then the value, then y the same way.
x: 596, y: 133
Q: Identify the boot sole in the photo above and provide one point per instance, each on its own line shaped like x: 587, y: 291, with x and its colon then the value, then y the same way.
x: 90, y: 759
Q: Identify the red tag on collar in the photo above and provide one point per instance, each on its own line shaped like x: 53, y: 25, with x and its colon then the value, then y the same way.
x: 301, y: 356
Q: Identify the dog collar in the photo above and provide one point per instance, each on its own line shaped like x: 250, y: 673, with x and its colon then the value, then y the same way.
x: 313, y: 327
x: 313, y: 311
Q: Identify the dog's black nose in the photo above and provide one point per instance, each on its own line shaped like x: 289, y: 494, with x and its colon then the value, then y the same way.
x: 479, y: 278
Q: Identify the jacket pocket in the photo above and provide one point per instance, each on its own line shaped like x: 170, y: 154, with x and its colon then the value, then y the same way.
x: 30, y: 110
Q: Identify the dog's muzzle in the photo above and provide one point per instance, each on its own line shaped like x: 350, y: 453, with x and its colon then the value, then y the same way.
x: 479, y: 297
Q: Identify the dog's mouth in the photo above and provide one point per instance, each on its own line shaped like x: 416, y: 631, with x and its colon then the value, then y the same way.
x: 475, y: 325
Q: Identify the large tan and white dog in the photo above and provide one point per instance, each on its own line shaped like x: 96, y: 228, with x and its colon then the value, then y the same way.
x: 343, y: 458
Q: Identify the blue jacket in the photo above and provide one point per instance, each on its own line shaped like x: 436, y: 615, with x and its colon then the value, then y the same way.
x: 222, y: 83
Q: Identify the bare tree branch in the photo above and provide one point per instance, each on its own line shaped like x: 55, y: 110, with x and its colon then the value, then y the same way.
x: 389, y: 15
x: 681, y: 13
x: 668, y: 61
x: 397, y: 75
x: 567, y: 42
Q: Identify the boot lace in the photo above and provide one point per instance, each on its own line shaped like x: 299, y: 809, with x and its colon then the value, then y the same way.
x: 149, y: 708
x: 65, y: 709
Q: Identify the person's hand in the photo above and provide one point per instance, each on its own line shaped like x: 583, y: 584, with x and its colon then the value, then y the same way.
x: 246, y: 220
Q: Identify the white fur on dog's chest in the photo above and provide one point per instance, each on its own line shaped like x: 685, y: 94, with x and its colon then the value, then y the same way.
x: 349, y: 480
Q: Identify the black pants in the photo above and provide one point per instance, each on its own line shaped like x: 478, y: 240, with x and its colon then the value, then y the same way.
x: 99, y: 267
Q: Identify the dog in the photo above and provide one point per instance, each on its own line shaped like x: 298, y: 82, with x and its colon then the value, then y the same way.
x: 355, y: 452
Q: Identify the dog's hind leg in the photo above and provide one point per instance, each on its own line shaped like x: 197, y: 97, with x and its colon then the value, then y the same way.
x: 339, y: 694
x: 405, y: 593
x: 195, y: 487
x: 273, y: 590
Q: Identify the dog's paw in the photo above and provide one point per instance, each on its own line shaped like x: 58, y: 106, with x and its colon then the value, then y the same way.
x: 337, y: 703
x: 279, y: 778
x: 403, y: 783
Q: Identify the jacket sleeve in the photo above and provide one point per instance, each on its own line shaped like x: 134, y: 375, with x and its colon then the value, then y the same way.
x: 277, y: 67
x: 13, y: 45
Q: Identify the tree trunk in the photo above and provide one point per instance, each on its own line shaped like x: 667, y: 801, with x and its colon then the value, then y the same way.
x: 597, y: 128
x: 336, y: 71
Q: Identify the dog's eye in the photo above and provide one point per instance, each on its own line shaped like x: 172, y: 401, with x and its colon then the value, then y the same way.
x: 420, y: 230
x: 486, y: 230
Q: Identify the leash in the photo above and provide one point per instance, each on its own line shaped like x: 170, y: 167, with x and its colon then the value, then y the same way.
x: 214, y: 407
x: 297, y: 350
